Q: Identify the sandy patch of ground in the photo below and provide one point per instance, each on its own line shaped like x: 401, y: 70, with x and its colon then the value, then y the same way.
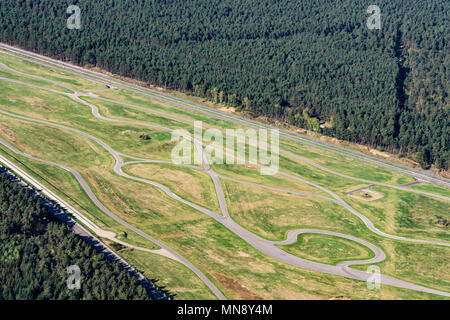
x: 237, y: 290
x: 445, y: 174
x: 7, y: 133
x: 128, y: 132
x: 227, y: 109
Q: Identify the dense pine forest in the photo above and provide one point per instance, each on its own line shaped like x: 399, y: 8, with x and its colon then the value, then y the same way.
x: 305, y: 62
x: 36, y: 249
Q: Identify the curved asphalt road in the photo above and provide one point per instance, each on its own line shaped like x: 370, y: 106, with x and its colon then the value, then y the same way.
x: 263, y: 245
x: 378, y: 253
x: 213, y: 175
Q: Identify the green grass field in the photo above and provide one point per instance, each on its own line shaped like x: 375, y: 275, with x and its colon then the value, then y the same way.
x: 273, y: 214
x: 189, y: 183
x: 407, y: 214
x: 327, y: 249
x: 235, y: 267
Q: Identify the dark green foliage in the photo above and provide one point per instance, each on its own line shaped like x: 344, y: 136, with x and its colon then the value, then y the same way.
x: 386, y: 88
x: 36, y: 249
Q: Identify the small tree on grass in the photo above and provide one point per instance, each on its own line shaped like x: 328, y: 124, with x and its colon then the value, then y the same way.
x: 144, y: 137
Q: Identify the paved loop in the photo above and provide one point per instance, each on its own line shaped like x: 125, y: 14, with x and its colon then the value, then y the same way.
x: 378, y: 253
x: 266, y: 246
